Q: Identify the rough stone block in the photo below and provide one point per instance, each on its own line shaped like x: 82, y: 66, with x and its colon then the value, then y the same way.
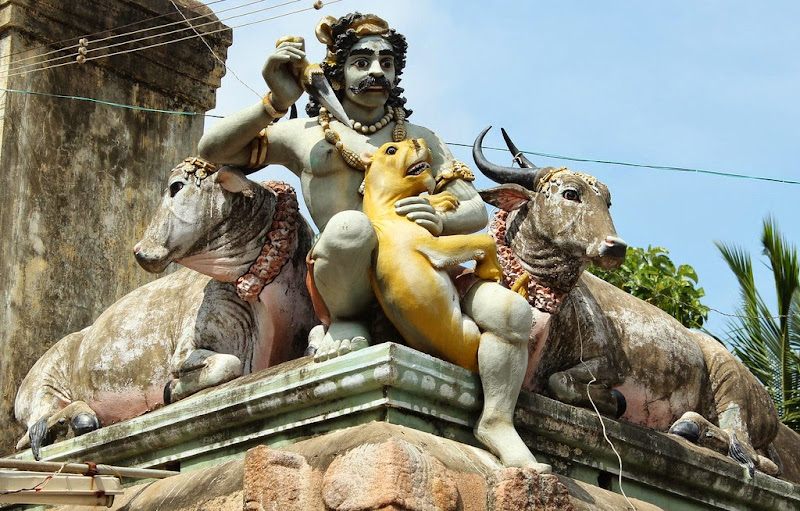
x: 526, y: 490
x: 281, y: 480
x: 394, y: 475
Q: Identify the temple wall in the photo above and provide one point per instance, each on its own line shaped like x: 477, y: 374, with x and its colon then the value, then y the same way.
x: 78, y: 179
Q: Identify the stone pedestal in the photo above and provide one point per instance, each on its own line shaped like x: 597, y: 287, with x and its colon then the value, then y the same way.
x: 390, y: 423
x: 80, y: 179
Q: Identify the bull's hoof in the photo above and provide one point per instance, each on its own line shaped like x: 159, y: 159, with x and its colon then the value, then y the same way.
x: 310, y: 351
x: 622, y: 404
x: 686, y: 429
x: 738, y: 454
x: 39, y: 434
x: 168, y: 392
x: 84, y: 423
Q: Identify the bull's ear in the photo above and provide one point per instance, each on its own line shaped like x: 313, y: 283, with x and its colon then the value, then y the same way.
x: 366, y: 158
x: 233, y: 180
x: 507, y: 197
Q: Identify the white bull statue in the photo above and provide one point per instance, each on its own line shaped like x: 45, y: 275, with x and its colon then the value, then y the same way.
x: 594, y: 342
x: 239, y: 306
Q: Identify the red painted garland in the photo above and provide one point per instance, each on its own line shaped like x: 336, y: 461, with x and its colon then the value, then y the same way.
x: 281, y: 243
x: 543, y: 298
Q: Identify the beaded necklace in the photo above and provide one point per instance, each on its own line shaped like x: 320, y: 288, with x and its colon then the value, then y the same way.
x: 350, y: 157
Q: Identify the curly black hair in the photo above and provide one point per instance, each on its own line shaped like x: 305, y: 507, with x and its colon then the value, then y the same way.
x: 345, y: 38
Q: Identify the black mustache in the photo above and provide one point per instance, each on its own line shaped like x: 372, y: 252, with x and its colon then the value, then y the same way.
x: 371, y: 81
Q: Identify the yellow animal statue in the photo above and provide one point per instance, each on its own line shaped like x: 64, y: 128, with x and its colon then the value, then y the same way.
x: 409, y: 276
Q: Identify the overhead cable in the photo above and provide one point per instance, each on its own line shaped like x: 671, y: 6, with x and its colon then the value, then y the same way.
x: 219, y: 59
x: 92, y: 35
x: 177, y: 112
x: 642, y: 165
x: 17, y: 70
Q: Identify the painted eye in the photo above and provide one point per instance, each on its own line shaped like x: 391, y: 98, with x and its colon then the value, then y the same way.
x: 571, y: 195
x: 175, y: 187
x: 387, y: 64
x: 391, y: 150
x: 361, y: 63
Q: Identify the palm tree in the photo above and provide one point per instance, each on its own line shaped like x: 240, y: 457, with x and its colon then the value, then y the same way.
x: 769, y: 344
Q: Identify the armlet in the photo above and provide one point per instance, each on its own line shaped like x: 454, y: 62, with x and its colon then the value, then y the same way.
x: 460, y: 170
x: 258, y: 151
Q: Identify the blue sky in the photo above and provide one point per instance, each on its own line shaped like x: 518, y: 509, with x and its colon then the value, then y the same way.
x: 702, y: 84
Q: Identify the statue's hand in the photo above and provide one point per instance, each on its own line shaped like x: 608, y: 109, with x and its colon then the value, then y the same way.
x: 281, y: 74
x: 419, y: 210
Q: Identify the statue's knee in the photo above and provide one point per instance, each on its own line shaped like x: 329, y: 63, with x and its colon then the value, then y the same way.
x: 348, y: 231
x: 505, y: 314
x: 520, y: 317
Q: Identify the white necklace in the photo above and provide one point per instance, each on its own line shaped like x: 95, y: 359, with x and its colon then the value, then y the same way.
x: 350, y: 157
x: 373, y: 128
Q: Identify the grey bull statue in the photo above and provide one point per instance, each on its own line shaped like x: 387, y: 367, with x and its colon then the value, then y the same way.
x: 222, y: 316
x: 643, y: 365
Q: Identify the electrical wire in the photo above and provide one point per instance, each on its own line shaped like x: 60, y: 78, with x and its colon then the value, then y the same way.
x: 640, y: 165
x: 171, y: 41
x: 219, y: 59
x: 16, y: 70
x: 109, y: 103
x: 94, y: 34
x: 177, y: 112
x: 38, y: 487
x: 95, y: 41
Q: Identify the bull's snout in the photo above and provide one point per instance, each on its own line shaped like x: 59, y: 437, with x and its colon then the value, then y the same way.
x: 152, y: 259
x: 612, y: 252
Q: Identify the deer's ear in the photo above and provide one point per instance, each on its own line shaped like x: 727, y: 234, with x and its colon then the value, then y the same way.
x: 507, y: 197
x: 233, y: 180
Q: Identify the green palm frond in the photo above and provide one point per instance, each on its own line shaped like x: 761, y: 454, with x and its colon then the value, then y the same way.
x: 768, y: 343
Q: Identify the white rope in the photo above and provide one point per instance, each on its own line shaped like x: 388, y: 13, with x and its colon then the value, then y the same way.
x: 596, y: 411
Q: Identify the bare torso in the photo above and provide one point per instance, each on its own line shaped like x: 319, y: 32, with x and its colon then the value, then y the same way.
x: 329, y: 184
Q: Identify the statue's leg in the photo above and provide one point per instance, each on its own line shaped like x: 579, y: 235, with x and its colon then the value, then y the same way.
x: 573, y: 387
x: 342, y: 257
x: 505, y: 320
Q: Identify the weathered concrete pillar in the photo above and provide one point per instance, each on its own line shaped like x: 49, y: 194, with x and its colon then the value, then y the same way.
x: 79, y: 179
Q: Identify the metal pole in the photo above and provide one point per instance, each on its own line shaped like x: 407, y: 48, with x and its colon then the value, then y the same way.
x: 86, y: 469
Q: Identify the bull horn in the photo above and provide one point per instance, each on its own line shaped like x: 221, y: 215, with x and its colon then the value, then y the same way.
x: 518, y: 156
x: 498, y: 174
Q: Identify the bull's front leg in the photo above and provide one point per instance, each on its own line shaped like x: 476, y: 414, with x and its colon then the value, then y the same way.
x: 75, y: 419
x: 573, y: 387
x: 200, y: 370
x: 732, y: 442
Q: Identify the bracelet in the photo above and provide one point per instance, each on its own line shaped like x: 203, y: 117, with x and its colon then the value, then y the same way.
x: 270, y: 108
x: 258, y: 151
x: 460, y: 170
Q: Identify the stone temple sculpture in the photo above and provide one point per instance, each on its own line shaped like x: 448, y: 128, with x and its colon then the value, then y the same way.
x: 364, y: 61
x: 643, y: 365
x: 397, y: 216
x: 192, y: 329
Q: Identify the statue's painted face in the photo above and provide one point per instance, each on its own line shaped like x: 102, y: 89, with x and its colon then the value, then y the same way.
x: 369, y: 72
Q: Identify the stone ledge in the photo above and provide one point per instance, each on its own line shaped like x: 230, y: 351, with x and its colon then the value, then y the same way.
x: 396, y: 384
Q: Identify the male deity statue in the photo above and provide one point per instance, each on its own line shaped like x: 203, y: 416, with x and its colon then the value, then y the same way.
x: 363, y: 65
